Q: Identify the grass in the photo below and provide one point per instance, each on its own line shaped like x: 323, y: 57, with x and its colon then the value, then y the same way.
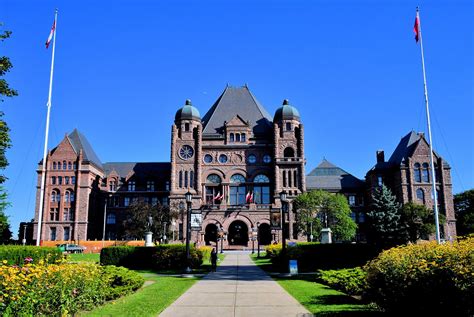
x: 84, y: 257
x: 319, y: 299
x: 149, y: 300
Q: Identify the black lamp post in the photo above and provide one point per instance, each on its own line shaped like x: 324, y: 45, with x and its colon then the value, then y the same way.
x: 189, y: 200
x: 221, y: 233
x: 258, y: 239
x: 284, y: 209
x: 254, y: 237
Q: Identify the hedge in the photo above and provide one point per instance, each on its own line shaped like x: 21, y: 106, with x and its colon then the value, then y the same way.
x: 350, y: 281
x: 170, y: 256
x: 314, y: 256
x: 426, y: 279
x: 16, y: 255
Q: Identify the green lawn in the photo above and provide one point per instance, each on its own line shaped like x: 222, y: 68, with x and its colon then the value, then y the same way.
x: 84, y: 257
x: 319, y: 299
x: 149, y: 300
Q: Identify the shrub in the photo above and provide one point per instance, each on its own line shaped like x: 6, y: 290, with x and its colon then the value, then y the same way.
x: 15, y: 254
x: 120, y: 281
x: 350, y: 281
x: 168, y: 256
x: 273, y: 250
x: 426, y: 279
x: 206, y: 253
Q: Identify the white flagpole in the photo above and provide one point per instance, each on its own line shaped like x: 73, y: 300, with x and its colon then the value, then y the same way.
x: 45, y: 152
x: 433, y: 177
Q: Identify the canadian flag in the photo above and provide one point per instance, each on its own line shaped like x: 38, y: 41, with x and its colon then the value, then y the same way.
x: 218, y: 196
x: 416, y: 28
x: 50, y: 37
x: 249, y: 197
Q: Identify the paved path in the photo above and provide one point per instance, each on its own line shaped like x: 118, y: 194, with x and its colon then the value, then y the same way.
x: 238, y: 289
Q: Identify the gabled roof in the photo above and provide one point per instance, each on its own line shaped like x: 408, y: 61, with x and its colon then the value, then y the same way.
x: 405, y: 148
x: 79, y: 142
x: 331, y: 177
x: 140, y: 169
x: 236, y: 101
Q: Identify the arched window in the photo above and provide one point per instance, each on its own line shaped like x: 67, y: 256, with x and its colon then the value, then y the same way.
x: 191, y: 179
x: 186, y: 179
x: 261, y: 189
x: 417, y: 172
x: 237, y: 190
x: 59, y: 165
x: 289, y: 152
x: 71, y: 195
x: 425, y: 173
x: 243, y: 137
x: 74, y: 165
x: 186, y: 127
x: 66, y: 197
x: 53, y: 180
x: 289, y: 179
x: 288, y: 126
x: 66, y: 180
x: 64, y: 165
x: 55, y: 196
x: 295, y: 179
x: 54, y: 165
x: 214, y: 193
x: 181, y: 179
x: 231, y: 137
x: 60, y: 180
x: 69, y: 165
x: 237, y: 137
x: 285, y: 181
x: 420, y: 195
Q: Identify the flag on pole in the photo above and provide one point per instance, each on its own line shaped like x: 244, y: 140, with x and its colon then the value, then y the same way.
x: 50, y: 37
x: 218, y: 196
x: 249, y: 197
x: 416, y: 28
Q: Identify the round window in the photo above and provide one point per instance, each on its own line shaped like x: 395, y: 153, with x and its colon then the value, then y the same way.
x: 223, y: 158
x: 208, y: 158
x: 267, y: 158
x: 252, y: 159
x: 186, y: 152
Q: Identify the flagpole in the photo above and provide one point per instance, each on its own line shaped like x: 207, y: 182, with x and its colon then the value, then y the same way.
x: 45, y: 152
x: 433, y: 175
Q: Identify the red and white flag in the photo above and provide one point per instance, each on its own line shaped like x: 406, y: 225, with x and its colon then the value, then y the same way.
x: 219, y: 196
x: 50, y: 37
x: 416, y: 28
x: 249, y: 197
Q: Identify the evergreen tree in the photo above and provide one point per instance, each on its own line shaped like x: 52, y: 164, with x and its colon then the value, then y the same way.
x: 384, y: 218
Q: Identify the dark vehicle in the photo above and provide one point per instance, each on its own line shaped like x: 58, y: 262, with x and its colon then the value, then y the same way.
x: 71, y: 248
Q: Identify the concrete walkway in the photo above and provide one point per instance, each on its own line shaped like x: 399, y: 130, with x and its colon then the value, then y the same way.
x: 238, y: 288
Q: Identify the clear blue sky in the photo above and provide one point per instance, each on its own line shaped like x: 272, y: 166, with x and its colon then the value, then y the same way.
x: 352, y: 68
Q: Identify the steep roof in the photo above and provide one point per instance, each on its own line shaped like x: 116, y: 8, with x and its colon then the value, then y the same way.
x: 331, y: 177
x: 236, y: 101
x: 405, y: 148
x: 79, y: 142
x: 140, y: 169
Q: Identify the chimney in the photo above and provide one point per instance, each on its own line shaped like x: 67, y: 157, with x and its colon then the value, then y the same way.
x: 380, y: 156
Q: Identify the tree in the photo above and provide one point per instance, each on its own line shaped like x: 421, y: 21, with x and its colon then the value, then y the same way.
x: 324, y: 209
x: 5, y: 233
x: 384, y: 218
x: 418, y: 222
x: 464, y: 210
x: 136, y: 220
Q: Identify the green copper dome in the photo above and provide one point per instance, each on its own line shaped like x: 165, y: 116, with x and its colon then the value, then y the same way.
x: 286, y: 112
x: 188, y: 112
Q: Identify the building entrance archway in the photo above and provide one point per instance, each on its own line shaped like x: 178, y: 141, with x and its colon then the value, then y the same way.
x: 210, y: 234
x: 265, y: 234
x: 238, y: 233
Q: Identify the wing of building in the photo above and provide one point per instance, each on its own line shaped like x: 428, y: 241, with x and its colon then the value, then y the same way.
x: 234, y: 161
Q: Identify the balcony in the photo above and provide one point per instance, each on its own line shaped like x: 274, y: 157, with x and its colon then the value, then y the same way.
x: 289, y: 160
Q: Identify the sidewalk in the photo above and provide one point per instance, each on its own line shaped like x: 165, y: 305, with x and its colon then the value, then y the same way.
x: 238, y: 289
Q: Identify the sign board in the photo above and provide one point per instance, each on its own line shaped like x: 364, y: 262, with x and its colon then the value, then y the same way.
x: 196, y: 221
x: 293, y: 267
x: 275, y: 220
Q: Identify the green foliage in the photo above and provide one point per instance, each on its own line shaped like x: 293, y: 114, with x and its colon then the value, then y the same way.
x: 5, y: 232
x: 384, y: 219
x: 120, y: 281
x: 350, y: 281
x: 323, y: 209
x: 16, y: 255
x: 314, y: 256
x: 425, y: 279
x: 464, y: 210
x: 205, y: 253
x: 169, y: 256
x: 418, y: 222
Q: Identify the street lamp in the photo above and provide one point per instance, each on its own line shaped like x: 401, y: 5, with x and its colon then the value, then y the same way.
x: 221, y: 234
x: 24, y: 235
x: 189, y: 200
x: 164, y: 232
x: 284, y: 209
x: 254, y: 237
x: 105, y: 219
x: 258, y: 239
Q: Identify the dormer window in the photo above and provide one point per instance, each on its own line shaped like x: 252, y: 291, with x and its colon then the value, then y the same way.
x: 242, y: 138
x: 231, y: 137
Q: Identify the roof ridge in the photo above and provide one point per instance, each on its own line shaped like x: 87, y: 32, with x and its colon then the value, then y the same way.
x: 214, y: 107
x: 259, y: 106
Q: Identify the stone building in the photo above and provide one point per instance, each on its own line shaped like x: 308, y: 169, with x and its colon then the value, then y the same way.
x: 235, y: 161
x: 407, y: 173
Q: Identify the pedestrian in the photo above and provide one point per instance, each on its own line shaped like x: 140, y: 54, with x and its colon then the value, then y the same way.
x: 213, y: 260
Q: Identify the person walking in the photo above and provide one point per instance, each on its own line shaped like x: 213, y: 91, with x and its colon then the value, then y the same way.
x: 213, y: 260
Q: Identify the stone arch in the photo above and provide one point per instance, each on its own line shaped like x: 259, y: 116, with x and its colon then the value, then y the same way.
x: 213, y: 171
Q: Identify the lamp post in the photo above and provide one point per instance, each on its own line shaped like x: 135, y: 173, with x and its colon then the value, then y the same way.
x: 105, y: 219
x: 221, y: 233
x: 24, y: 235
x: 189, y: 200
x: 164, y: 232
x: 254, y: 237
x: 181, y: 211
x: 284, y: 207
x: 258, y: 239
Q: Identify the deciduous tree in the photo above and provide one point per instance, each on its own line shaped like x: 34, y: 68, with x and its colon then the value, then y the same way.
x: 464, y: 210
